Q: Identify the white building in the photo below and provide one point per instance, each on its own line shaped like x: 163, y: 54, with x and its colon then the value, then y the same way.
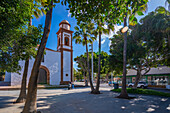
x: 56, y: 66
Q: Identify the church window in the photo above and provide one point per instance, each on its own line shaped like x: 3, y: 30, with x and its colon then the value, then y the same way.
x: 66, y: 41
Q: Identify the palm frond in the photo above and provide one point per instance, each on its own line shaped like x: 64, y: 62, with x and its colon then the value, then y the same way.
x: 76, y: 28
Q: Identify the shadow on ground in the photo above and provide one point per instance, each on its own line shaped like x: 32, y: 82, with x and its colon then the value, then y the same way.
x: 83, y: 102
x: 80, y: 101
x: 6, y: 101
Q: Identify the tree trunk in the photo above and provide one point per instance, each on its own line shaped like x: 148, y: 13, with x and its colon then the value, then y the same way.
x: 99, y: 66
x: 107, y: 77
x: 91, y: 84
x: 123, y: 93
x: 22, y: 95
x: 138, y: 76
x: 168, y: 41
x: 84, y: 78
x: 30, y: 104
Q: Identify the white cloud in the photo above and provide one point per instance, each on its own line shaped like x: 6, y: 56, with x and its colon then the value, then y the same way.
x: 74, y: 63
x: 104, y: 37
x: 69, y: 14
x: 117, y: 28
x: 103, y: 41
x: 109, y: 43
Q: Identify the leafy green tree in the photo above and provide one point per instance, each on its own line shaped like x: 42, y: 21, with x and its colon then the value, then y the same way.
x: 106, y: 66
x: 14, y: 15
x: 19, y: 37
x: 82, y: 65
x: 30, y: 51
x: 145, y: 47
x: 165, y: 13
x: 156, y: 49
x: 77, y: 75
x: 26, y: 47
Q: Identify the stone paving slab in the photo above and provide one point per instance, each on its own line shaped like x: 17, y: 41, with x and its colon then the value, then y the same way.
x: 80, y: 101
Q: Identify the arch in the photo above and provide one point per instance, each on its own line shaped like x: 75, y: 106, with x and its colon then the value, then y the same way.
x: 48, y: 73
x: 66, y: 41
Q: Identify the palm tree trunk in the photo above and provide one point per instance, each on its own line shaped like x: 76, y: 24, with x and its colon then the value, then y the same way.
x: 22, y: 95
x: 123, y: 93
x: 30, y: 104
x: 91, y: 84
x: 84, y: 78
x: 99, y: 66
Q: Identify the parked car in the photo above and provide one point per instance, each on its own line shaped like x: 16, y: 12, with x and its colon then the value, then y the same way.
x: 140, y: 85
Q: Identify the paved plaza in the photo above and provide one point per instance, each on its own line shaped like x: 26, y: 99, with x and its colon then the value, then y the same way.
x: 80, y: 101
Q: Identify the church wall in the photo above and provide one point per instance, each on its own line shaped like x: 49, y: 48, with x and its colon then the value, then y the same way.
x: 53, y: 63
x: 66, y: 66
x: 52, y: 60
x: 7, y: 77
x: 16, y: 78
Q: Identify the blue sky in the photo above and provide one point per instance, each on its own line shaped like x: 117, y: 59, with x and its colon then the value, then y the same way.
x: 60, y: 13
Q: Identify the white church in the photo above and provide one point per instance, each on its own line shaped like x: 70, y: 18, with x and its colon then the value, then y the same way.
x: 56, y: 66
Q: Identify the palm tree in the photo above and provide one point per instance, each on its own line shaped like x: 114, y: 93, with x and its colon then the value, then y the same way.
x: 84, y: 30
x: 88, y: 30
x: 101, y: 30
x: 30, y: 104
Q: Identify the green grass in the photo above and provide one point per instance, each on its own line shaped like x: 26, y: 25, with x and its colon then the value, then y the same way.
x: 144, y: 91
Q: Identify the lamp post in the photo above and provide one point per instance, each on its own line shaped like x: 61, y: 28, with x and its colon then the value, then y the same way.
x: 112, y: 79
x: 92, y: 60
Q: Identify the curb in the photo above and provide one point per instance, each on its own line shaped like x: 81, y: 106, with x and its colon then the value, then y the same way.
x: 43, y: 87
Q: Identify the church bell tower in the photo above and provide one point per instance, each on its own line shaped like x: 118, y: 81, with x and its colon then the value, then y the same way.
x: 64, y: 45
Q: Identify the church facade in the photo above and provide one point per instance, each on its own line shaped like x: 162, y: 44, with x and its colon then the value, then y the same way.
x: 56, y: 66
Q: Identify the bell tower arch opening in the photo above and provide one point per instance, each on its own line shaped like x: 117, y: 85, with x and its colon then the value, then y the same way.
x: 66, y: 41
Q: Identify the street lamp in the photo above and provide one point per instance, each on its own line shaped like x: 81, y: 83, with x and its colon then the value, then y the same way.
x: 124, y: 29
x: 112, y: 79
x: 91, y: 60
